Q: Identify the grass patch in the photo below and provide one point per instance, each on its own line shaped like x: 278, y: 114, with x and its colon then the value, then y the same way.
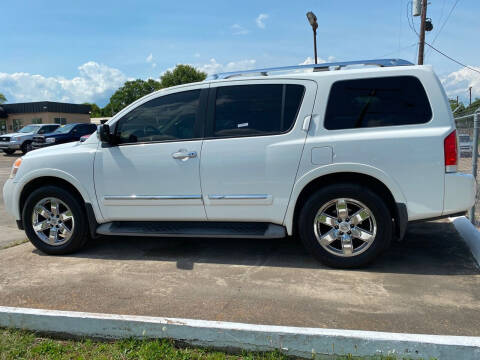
x: 14, y: 243
x: 15, y: 344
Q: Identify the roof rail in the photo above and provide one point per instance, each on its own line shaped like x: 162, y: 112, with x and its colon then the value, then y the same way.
x: 315, y: 67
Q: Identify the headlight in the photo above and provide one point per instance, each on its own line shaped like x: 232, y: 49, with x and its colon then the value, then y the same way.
x: 15, y: 167
x: 15, y: 139
x: 50, y: 140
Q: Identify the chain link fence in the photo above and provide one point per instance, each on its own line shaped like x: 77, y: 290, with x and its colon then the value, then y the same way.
x: 467, y: 132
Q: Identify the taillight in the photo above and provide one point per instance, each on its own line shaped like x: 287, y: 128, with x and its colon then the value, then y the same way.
x: 451, y: 153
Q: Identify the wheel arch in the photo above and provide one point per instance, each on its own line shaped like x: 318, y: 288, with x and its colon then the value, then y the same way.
x: 312, y: 181
x: 38, y: 182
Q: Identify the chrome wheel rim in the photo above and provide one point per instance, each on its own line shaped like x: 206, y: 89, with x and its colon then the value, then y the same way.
x: 345, y: 227
x: 53, y: 221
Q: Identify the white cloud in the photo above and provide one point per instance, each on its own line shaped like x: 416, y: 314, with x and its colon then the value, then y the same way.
x: 458, y: 82
x: 310, y: 60
x: 260, y: 20
x: 197, y: 55
x: 149, y: 59
x: 95, y: 83
x: 239, y: 30
x: 213, y: 67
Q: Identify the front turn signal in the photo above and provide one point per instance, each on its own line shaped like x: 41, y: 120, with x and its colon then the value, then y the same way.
x: 15, y: 167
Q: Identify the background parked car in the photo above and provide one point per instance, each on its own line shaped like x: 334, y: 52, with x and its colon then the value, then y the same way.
x: 22, y: 139
x: 465, y: 145
x: 65, y: 134
x: 84, y: 137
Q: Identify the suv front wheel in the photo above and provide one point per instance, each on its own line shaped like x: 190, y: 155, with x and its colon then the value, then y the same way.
x: 345, y: 225
x: 55, y: 221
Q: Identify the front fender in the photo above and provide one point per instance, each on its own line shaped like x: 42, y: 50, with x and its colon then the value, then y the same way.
x: 318, y: 172
x: 87, y: 196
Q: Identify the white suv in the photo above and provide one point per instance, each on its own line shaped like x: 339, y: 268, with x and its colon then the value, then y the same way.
x: 341, y: 156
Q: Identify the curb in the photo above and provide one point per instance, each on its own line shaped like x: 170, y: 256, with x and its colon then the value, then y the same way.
x: 470, y: 235
x: 296, y: 341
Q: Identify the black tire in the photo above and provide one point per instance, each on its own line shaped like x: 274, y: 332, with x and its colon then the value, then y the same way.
x: 80, y: 233
x: 376, y: 205
x: 26, y: 147
x: 8, y: 151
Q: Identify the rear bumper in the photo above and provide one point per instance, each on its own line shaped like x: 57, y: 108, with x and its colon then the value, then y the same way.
x: 460, y: 192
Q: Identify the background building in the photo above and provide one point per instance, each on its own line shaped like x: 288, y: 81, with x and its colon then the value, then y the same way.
x: 15, y: 116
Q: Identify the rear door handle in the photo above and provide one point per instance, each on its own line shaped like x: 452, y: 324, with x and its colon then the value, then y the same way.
x: 183, y: 154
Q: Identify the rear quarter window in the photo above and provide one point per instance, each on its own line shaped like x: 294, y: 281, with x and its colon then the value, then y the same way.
x: 376, y: 102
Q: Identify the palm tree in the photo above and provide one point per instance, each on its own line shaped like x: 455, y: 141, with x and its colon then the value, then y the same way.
x: 2, y: 98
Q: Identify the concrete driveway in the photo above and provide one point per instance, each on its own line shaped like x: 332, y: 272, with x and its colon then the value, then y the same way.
x: 427, y: 284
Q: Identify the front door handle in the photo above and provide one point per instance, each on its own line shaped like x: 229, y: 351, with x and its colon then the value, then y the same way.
x: 183, y: 154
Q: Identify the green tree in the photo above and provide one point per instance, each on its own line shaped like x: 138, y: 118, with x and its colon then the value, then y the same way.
x: 454, y: 105
x: 182, y: 74
x: 129, y: 92
x: 95, y: 111
x: 2, y: 98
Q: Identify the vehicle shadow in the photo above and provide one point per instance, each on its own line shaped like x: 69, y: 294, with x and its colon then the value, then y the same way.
x: 429, y: 248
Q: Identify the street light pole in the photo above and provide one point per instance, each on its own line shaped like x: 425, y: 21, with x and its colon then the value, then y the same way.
x: 312, y: 19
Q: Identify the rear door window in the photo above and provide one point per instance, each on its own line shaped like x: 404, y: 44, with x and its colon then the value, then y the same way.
x: 249, y: 110
x: 375, y: 102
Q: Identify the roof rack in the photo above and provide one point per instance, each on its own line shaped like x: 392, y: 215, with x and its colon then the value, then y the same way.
x: 315, y: 67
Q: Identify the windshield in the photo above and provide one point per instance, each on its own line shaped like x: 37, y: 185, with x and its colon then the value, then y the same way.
x: 64, y: 129
x: 29, y: 129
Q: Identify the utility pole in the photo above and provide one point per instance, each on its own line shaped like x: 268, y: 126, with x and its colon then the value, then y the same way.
x: 421, y: 43
x: 470, y: 90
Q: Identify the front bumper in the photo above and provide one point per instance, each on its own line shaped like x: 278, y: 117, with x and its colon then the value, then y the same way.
x: 10, y: 198
x: 9, y: 145
x: 460, y: 193
x: 41, y: 145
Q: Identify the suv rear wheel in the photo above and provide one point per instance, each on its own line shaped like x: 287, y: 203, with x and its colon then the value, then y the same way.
x: 55, y: 221
x: 345, y: 225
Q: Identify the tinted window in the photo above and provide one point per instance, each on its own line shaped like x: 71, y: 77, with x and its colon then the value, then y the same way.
x: 170, y: 117
x: 47, y: 129
x: 375, y: 102
x: 256, y: 109
x: 86, y: 129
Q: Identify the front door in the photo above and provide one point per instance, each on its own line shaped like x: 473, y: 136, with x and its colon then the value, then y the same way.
x: 153, y: 172
x: 253, y: 147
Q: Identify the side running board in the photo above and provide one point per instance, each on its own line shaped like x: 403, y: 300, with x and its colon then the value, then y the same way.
x: 193, y: 229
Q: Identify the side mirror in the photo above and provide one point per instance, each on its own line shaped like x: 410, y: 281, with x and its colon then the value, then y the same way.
x: 103, y: 132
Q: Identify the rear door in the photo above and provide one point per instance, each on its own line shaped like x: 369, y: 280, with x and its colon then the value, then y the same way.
x: 253, y: 146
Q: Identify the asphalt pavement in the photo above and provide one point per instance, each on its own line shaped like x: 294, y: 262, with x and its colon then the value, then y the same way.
x: 429, y: 283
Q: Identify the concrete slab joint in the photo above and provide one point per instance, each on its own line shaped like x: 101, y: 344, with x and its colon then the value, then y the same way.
x: 297, y: 341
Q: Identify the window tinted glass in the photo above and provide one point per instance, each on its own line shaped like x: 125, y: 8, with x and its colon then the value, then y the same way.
x: 170, y: 117
x: 375, y: 102
x: 47, y: 129
x: 256, y: 109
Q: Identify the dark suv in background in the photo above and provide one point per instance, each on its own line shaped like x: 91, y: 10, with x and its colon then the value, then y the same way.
x: 64, y: 134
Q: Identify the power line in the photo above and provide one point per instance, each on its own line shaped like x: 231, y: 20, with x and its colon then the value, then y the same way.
x: 448, y: 57
x: 448, y: 17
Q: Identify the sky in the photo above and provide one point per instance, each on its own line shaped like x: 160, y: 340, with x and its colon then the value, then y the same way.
x: 82, y: 51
